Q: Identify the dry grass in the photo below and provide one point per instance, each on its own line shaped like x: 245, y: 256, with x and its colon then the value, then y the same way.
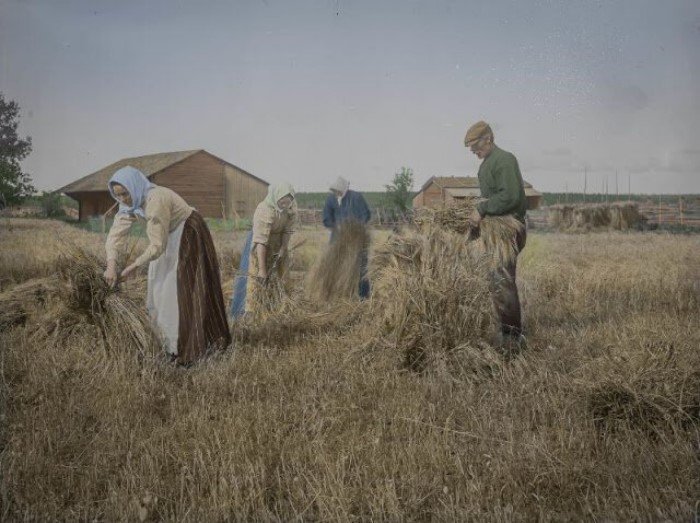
x: 598, y: 419
x: 294, y: 320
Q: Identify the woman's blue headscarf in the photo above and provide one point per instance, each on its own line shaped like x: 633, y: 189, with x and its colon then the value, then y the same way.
x: 138, y: 186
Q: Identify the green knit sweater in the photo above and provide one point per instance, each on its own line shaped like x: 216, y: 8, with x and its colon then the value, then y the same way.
x: 502, y: 185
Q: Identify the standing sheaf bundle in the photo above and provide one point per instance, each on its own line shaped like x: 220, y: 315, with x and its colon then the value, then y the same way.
x: 336, y: 275
x: 496, y: 236
x: 121, y: 318
x: 271, y: 296
x: 431, y: 296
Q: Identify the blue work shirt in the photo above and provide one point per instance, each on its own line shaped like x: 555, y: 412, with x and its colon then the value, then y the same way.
x: 353, y: 206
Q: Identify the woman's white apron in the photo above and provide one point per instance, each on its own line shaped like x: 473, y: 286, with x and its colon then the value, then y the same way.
x: 161, y: 300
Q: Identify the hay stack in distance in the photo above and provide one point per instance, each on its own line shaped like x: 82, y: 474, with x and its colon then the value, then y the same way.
x: 620, y: 216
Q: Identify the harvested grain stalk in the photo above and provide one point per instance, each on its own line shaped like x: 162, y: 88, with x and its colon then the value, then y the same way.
x: 336, y: 274
x: 496, y: 235
x: 431, y: 295
x: 79, y: 295
x: 121, y: 318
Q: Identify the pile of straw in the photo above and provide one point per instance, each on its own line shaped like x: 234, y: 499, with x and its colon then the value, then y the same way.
x: 431, y: 296
x: 336, y: 274
x: 79, y: 297
x: 18, y: 303
x: 496, y: 236
x: 654, y: 388
x: 625, y: 216
x: 584, y: 217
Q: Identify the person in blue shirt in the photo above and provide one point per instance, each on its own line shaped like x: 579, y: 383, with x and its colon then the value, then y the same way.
x: 344, y: 205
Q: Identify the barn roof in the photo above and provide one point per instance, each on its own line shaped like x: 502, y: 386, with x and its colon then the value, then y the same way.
x: 458, y: 182
x: 149, y: 165
x: 462, y: 192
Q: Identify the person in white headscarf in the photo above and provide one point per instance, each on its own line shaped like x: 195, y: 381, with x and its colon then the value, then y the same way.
x: 344, y: 205
x: 266, y: 247
x: 184, y: 297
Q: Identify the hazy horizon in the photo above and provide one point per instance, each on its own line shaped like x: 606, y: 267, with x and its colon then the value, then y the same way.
x: 308, y: 91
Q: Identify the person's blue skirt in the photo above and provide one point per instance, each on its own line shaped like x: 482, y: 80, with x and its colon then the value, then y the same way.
x: 240, y: 282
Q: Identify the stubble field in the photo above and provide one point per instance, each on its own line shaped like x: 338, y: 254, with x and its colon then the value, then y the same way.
x: 598, y: 419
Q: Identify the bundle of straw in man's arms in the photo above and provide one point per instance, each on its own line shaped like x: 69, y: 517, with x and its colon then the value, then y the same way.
x: 496, y: 236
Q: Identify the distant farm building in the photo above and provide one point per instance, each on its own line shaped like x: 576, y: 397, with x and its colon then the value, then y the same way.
x: 215, y: 187
x: 439, y: 191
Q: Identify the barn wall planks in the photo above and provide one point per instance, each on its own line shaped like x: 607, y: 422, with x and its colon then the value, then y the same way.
x: 199, y: 179
x: 93, y: 204
x: 432, y: 196
x: 243, y: 193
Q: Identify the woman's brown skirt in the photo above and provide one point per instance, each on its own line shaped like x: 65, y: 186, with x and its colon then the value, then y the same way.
x: 202, y: 316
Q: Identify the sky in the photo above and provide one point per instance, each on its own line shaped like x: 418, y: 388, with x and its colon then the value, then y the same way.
x: 305, y: 91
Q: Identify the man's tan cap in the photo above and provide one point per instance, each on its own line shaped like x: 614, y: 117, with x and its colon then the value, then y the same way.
x: 476, y: 131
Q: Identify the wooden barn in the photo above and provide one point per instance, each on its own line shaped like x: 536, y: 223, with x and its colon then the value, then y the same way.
x: 439, y: 191
x: 215, y: 187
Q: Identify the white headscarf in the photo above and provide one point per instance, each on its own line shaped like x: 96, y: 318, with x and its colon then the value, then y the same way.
x: 276, y: 192
x: 341, y: 185
x: 138, y: 186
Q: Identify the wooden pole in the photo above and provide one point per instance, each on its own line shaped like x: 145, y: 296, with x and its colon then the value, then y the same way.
x: 585, y: 183
x: 606, y: 188
x: 629, y: 187
x: 602, y: 189
x: 680, y: 208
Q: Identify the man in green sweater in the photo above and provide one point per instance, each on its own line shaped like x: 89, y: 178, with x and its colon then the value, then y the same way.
x: 502, y: 188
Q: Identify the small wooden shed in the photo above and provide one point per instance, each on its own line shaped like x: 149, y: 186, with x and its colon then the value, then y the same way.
x: 439, y: 191
x: 215, y: 187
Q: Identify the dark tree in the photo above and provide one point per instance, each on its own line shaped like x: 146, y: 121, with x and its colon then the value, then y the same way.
x: 15, y: 185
